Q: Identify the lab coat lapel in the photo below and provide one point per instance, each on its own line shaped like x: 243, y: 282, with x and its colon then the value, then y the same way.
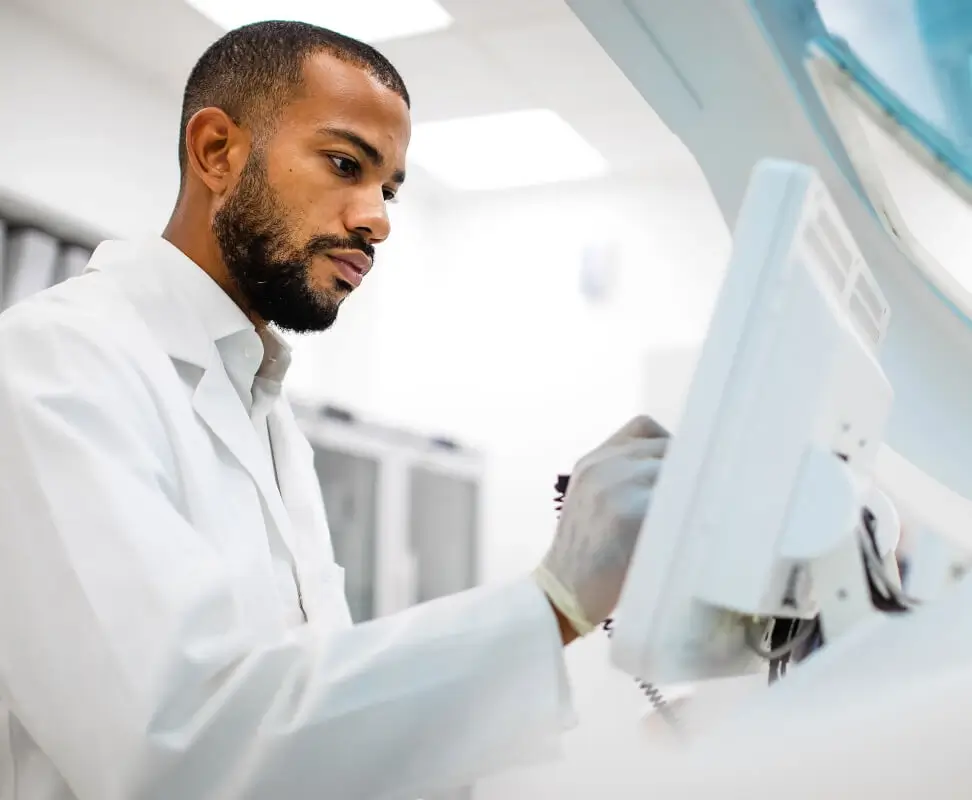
x: 321, y: 579
x: 296, y: 475
x: 289, y: 455
x: 218, y: 406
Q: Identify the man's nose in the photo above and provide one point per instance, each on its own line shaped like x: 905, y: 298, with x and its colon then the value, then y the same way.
x: 369, y: 217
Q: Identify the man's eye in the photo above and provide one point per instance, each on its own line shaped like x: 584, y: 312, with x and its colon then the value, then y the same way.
x: 345, y: 165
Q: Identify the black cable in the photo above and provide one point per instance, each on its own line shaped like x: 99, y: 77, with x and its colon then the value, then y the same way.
x: 885, y: 596
x: 563, y: 481
x: 782, y: 633
x: 655, y: 696
x: 813, y: 642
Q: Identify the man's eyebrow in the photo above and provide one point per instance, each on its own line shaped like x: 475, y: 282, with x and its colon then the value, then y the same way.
x: 372, y: 153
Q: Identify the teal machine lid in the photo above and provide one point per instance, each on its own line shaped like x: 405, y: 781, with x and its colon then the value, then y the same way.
x: 887, y: 84
x: 913, y: 61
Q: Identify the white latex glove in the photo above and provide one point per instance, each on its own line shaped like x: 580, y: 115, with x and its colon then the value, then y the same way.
x: 606, y: 502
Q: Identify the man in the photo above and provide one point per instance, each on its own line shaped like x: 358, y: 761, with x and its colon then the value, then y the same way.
x: 172, y: 623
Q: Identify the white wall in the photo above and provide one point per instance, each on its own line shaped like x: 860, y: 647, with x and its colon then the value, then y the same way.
x: 78, y: 135
x: 486, y: 336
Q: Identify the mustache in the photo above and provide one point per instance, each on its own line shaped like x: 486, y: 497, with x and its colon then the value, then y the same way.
x: 320, y: 245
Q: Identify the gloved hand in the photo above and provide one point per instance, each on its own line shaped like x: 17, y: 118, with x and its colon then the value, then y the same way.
x: 607, y: 499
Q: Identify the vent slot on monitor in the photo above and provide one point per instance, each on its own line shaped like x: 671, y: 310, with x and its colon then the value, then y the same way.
x: 822, y: 256
x: 835, y: 241
x: 871, y: 297
x: 861, y: 315
x: 866, y: 301
x: 832, y: 252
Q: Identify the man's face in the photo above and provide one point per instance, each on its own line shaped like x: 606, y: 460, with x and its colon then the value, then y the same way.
x: 298, y: 232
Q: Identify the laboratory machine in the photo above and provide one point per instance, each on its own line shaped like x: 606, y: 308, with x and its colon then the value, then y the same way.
x: 802, y: 488
x: 766, y: 515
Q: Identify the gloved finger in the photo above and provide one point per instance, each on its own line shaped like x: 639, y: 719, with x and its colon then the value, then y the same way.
x: 641, y: 427
x: 624, y: 474
x: 637, y: 448
x: 645, y: 448
x: 644, y: 472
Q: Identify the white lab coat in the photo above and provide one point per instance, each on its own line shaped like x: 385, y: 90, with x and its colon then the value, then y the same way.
x: 145, y: 647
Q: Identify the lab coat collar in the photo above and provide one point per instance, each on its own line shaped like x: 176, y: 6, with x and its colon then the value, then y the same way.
x: 165, y: 288
x: 186, y: 310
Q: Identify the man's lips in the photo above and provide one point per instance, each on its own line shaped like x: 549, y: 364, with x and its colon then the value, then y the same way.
x: 353, y: 266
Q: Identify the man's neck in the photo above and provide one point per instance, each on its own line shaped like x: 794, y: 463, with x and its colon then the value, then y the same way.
x: 201, y: 247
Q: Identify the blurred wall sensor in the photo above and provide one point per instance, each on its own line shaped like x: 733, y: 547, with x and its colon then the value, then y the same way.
x: 599, y: 271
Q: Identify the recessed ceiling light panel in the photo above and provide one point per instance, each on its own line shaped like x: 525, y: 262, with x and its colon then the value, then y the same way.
x: 368, y: 20
x: 500, y: 151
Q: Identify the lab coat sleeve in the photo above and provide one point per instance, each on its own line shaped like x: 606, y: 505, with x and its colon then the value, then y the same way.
x: 126, y: 658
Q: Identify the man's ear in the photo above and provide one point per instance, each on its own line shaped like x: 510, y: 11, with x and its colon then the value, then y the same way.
x: 216, y: 149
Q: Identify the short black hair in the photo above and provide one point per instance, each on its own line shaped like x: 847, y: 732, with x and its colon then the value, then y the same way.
x: 254, y: 70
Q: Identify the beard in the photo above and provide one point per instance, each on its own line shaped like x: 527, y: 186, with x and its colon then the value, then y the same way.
x: 271, y: 274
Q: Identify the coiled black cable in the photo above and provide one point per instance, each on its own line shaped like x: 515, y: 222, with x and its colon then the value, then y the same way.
x: 658, y: 700
x: 652, y: 692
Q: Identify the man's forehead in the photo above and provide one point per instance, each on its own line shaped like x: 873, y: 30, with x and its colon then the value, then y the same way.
x: 343, y: 94
x: 336, y: 80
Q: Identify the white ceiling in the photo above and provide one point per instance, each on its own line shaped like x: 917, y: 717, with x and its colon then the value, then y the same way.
x: 500, y: 55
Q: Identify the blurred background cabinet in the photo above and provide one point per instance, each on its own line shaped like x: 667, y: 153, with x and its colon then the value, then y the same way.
x: 405, y: 511
x: 443, y: 511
